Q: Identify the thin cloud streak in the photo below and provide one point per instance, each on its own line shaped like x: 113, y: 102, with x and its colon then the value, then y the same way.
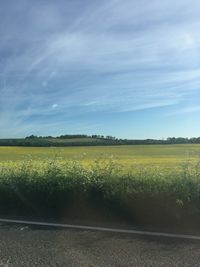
x: 108, y: 57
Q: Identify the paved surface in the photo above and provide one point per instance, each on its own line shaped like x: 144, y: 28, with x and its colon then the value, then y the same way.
x: 39, y: 246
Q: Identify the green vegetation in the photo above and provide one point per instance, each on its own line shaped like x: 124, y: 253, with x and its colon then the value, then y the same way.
x: 145, y: 184
x: 61, y: 141
x: 91, y: 140
x: 148, y: 195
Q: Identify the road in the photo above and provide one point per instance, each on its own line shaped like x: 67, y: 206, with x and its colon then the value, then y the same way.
x: 22, y: 245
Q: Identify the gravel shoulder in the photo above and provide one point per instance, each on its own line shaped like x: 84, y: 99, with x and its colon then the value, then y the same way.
x: 44, y: 246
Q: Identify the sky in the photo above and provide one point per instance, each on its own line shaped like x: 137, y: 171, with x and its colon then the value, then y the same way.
x: 125, y: 68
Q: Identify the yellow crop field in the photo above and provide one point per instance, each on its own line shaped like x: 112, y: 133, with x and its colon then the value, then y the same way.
x: 127, y: 155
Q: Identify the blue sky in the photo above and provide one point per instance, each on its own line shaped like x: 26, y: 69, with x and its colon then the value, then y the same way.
x: 126, y: 68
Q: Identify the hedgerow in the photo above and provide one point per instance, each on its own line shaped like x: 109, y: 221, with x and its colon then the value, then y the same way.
x: 148, y: 195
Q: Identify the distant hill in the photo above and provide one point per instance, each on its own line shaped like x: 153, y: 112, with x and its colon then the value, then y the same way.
x: 63, y: 140
x: 90, y: 140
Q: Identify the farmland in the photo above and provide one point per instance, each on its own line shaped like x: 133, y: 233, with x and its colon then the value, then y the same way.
x: 127, y: 155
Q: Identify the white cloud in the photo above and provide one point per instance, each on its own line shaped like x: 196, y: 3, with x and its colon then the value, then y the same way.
x: 54, y: 106
x: 187, y: 109
x: 112, y: 56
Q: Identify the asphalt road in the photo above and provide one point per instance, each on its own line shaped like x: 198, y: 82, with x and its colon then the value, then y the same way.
x: 41, y: 246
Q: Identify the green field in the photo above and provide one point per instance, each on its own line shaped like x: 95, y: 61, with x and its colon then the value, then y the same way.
x: 127, y: 155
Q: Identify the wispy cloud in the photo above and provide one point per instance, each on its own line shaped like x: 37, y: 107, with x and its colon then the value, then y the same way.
x: 185, y: 110
x: 64, y: 59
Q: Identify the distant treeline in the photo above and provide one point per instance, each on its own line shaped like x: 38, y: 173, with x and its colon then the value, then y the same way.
x: 73, y: 136
x: 90, y: 140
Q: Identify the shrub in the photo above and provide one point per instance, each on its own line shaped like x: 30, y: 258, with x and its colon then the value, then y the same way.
x: 148, y: 195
